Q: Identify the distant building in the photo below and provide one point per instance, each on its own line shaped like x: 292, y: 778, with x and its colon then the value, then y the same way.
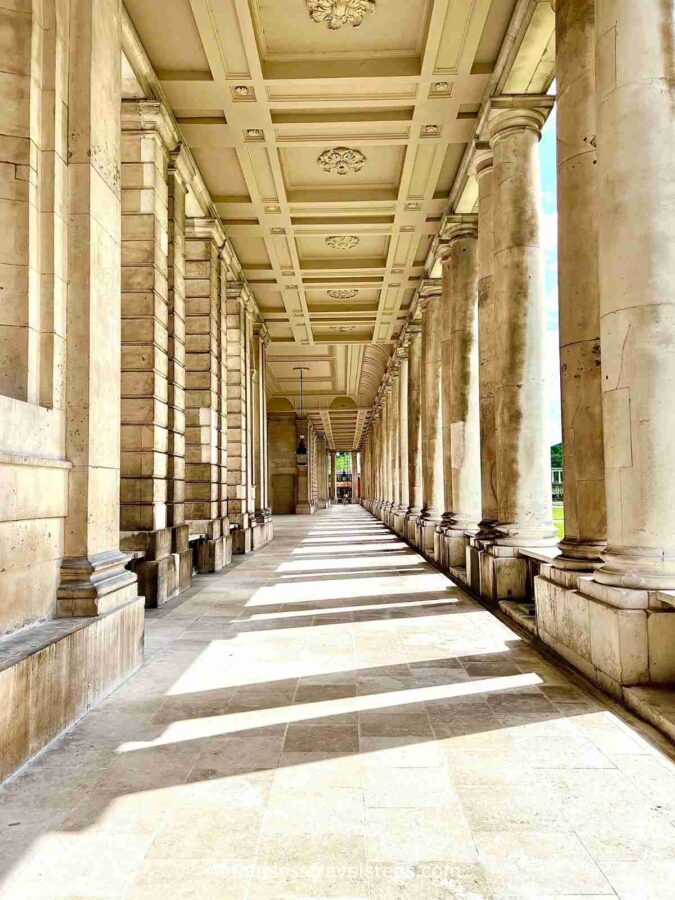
x: 557, y: 484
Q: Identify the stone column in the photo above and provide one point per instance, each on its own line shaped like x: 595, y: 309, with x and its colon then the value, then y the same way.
x: 523, y: 451
x: 355, y: 478
x: 238, y: 418
x: 460, y: 386
x: 414, y: 431
x: 578, y: 288
x: 446, y: 302
x: 93, y: 579
x: 204, y: 238
x: 636, y: 178
x: 147, y: 138
x: 394, y: 444
x: 487, y: 341
x: 404, y: 478
x: 377, y: 458
x: 333, y: 477
x: 260, y: 342
x: 385, y: 432
x: 432, y: 439
x: 180, y: 174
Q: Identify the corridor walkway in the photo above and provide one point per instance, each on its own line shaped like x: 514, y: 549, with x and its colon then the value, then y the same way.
x: 331, y: 717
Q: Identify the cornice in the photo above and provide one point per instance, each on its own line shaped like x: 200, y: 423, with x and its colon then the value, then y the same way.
x: 148, y: 116
x: 134, y: 51
x: 207, y: 228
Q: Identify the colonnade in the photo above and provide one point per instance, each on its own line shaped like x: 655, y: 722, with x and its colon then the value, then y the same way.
x: 457, y: 458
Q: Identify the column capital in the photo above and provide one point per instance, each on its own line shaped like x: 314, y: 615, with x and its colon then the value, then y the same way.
x: 205, y: 229
x: 149, y: 116
x: 456, y: 227
x: 181, y: 164
x: 428, y: 290
x: 518, y: 113
x: 234, y: 290
x: 483, y: 159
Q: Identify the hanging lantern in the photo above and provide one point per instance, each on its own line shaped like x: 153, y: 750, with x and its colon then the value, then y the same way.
x: 301, y: 454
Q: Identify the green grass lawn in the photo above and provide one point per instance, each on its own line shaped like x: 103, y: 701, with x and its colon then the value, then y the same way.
x: 559, y: 519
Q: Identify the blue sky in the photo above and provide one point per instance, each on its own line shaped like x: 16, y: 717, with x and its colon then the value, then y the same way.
x: 550, y: 247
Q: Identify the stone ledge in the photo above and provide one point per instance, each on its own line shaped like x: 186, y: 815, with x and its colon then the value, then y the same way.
x: 655, y: 705
x: 51, y: 674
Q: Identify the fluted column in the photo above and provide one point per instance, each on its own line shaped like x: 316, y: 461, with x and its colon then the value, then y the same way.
x: 636, y: 178
x: 460, y: 383
x: 414, y: 429
x: 523, y: 452
x: 487, y: 340
x: 432, y: 446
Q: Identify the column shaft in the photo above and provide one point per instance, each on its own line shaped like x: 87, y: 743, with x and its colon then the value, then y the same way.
x: 523, y: 475
x: 145, y: 316
x: 578, y: 287
x: 415, y: 421
x: 461, y: 272
x: 431, y: 419
x: 487, y: 342
x: 404, y: 500
x: 636, y: 178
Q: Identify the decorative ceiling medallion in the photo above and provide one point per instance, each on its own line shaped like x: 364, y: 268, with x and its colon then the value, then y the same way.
x: 342, y: 294
x: 342, y: 328
x: 342, y: 241
x: 431, y: 130
x: 254, y: 134
x: 440, y: 87
x: 272, y: 209
x: 341, y: 160
x: 337, y: 13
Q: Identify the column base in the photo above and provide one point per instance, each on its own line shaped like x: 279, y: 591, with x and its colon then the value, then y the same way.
x: 304, y: 509
x: 425, y: 535
x: 79, y: 662
x: 617, y: 637
x: 398, y: 520
x: 155, y: 561
x: 411, y: 520
x: 259, y: 533
x: 503, y: 574
x: 95, y: 585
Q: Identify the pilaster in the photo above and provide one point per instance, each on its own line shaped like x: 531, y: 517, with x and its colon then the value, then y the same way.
x: 202, y: 433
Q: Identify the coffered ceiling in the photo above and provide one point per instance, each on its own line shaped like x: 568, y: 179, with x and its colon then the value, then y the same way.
x: 330, y: 149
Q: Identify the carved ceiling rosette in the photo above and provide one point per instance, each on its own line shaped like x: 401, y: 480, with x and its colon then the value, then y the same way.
x: 342, y: 241
x: 341, y: 160
x: 337, y: 13
x: 342, y: 294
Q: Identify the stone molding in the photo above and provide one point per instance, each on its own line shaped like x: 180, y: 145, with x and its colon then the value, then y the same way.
x: 205, y: 229
x: 150, y: 116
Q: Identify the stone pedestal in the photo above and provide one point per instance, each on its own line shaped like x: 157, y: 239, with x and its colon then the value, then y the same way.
x: 617, y: 637
x: 503, y: 574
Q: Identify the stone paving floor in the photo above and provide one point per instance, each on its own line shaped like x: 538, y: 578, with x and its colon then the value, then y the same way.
x: 331, y: 717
